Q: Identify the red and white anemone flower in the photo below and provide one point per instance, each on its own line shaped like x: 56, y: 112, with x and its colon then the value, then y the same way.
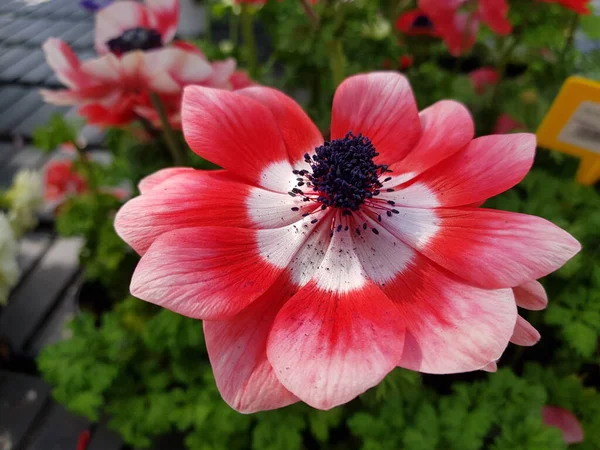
x: 129, y: 24
x: 458, y: 27
x: 318, y: 267
x: 114, y: 89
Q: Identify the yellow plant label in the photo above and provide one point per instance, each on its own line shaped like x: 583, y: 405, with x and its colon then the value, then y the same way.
x: 572, y: 126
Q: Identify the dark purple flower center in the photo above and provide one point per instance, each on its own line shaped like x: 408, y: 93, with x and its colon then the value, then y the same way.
x: 343, y: 174
x: 135, y: 39
x: 422, y: 21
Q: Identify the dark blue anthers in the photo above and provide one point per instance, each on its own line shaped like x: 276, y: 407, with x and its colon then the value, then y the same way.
x: 344, y: 174
x: 135, y: 39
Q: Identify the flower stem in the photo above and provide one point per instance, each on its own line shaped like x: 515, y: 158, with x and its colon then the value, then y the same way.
x: 249, y: 40
x: 310, y: 12
x: 86, y: 167
x: 170, y: 139
x: 337, y: 61
x: 573, y: 24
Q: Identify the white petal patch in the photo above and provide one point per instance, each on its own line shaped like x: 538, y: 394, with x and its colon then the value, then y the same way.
x: 340, y: 270
x: 268, y: 209
x: 278, y: 246
x: 416, y: 195
x: 383, y: 256
x: 415, y: 226
x: 308, y: 259
x: 278, y: 177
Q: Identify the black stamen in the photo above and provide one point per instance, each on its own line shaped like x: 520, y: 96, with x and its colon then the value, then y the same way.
x: 422, y: 21
x: 343, y: 172
x: 135, y: 39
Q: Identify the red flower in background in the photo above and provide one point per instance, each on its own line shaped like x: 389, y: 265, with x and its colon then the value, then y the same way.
x: 579, y: 6
x: 506, y: 124
x: 565, y: 421
x: 459, y: 28
x: 415, y: 23
x: 317, y: 266
x: 62, y: 181
x: 114, y: 89
x: 126, y: 25
x: 483, y: 78
x: 406, y: 62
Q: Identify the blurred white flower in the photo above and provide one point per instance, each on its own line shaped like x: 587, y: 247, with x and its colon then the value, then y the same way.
x: 9, y: 270
x: 378, y: 30
x: 25, y: 197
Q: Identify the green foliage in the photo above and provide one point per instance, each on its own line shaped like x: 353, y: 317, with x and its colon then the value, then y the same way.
x: 58, y: 131
x: 105, y: 256
x: 502, y: 412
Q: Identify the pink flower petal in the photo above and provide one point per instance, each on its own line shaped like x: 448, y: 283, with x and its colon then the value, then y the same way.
x: 524, y: 334
x: 491, y: 367
x: 381, y: 106
x: 494, y: 13
x: 236, y: 132
x: 460, y: 32
x: 447, y: 128
x: 565, y: 421
x: 118, y: 17
x: 238, y: 354
x: 328, y: 346
x: 299, y: 133
x: 64, y: 62
x: 209, y: 273
x: 199, y: 198
x: 166, y: 17
x: 151, y: 181
x: 450, y: 326
x: 488, y: 248
x: 531, y: 295
x: 182, y: 67
x: 221, y: 72
x: 488, y: 166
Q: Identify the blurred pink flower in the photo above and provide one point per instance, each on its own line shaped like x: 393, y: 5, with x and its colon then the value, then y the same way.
x: 565, y: 421
x: 483, y: 78
x: 62, y: 181
x: 114, y: 89
x: 128, y: 25
x: 506, y: 124
x: 459, y: 28
x: 317, y: 266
